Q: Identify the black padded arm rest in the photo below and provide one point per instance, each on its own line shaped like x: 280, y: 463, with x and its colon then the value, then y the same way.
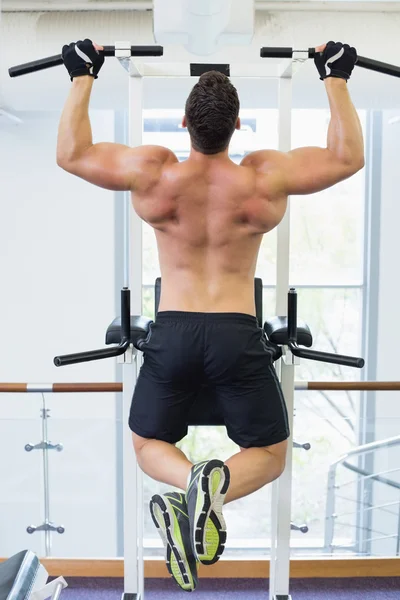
x: 276, y: 329
x: 139, y: 329
x: 17, y: 576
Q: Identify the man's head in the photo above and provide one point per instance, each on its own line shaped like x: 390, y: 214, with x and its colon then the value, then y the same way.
x: 212, y: 113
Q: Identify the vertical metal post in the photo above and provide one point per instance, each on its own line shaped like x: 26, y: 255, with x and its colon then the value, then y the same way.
x: 121, y: 260
x: 330, y: 510
x: 132, y: 501
x: 370, y: 322
x: 282, y: 489
x: 46, y: 481
x: 136, y: 244
x: 140, y: 508
x: 126, y: 233
x: 133, y: 494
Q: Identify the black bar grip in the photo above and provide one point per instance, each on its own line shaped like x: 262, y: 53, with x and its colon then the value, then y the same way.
x: 36, y: 65
x: 275, y: 52
x: 335, y: 359
x: 379, y: 67
x: 55, y: 61
x: 292, y: 316
x: 362, y: 61
x: 80, y: 357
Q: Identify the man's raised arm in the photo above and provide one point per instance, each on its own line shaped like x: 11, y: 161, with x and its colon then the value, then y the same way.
x: 111, y: 166
x: 311, y: 169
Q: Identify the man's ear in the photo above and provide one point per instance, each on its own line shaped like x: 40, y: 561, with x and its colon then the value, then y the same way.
x: 184, y: 122
x: 238, y: 124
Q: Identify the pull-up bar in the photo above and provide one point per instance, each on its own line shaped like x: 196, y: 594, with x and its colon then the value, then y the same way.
x: 55, y: 61
x: 365, y: 63
x: 142, y: 51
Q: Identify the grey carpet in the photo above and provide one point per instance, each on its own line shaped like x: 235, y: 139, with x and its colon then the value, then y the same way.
x: 240, y: 589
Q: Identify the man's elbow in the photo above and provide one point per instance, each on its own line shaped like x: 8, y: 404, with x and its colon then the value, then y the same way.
x: 65, y: 163
x: 62, y: 160
x: 354, y: 164
x: 359, y: 163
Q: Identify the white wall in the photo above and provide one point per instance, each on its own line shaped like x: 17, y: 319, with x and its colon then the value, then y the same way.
x: 57, y: 296
x: 39, y: 35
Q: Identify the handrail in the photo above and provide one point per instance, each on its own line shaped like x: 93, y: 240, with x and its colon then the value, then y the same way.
x: 59, y: 388
x: 330, y: 496
x: 375, y: 477
x: 365, y: 448
x: 360, y: 386
x: 100, y: 387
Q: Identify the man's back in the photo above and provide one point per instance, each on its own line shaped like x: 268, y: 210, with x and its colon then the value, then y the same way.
x: 209, y: 216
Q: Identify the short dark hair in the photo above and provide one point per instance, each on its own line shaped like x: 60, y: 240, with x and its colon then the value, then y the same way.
x: 212, y: 110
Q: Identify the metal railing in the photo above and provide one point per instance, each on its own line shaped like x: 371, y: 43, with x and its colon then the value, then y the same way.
x: 333, y: 518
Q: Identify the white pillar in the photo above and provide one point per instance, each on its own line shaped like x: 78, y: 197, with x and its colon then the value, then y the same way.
x: 133, y: 480
x: 136, y: 245
x: 282, y: 489
x: 133, y: 501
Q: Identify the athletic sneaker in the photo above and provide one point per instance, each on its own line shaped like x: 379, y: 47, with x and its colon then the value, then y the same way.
x: 170, y: 515
x: 208, y: 484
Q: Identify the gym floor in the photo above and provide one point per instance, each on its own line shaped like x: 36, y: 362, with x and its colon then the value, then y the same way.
x: 241, y: 589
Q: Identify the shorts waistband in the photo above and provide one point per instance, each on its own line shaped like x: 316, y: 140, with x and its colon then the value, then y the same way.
x: 176, y: 316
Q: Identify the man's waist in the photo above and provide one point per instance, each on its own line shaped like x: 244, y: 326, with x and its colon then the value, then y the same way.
x: 205, y: 317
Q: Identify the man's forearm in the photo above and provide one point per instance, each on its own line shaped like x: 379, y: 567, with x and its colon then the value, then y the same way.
x: 75, y: 132
x: 345, y: 139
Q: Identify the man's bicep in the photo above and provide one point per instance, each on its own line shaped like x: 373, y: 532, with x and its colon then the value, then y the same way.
x: 311, y: 169
x: 115, y: 166
x: 104, y: 165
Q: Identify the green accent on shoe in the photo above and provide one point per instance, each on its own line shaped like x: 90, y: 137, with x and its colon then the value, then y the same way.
x: 215, y: 481
x: 172, y: 522
x: 205, y: 496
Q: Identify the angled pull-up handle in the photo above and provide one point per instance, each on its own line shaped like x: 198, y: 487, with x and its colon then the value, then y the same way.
x: 80, y: 357
x: 55, y: 61
x: 327, y: 357
x: 365, y: 63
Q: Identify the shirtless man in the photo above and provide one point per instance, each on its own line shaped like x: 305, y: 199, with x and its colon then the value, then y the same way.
x: 209, y: 216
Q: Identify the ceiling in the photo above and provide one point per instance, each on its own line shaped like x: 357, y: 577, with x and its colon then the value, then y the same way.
x: 16, y: 5
x: 269, y: 5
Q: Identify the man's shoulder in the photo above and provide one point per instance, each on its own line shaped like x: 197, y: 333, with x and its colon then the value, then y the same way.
x: 261, y: 158
x: 159, y: 154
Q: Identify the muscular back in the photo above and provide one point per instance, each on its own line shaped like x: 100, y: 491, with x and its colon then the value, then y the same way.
x: 209, y: 216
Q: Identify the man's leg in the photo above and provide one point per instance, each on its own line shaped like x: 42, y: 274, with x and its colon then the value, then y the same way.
x: 208, y: 490
x: 162, y: 461
x: 252, y: 468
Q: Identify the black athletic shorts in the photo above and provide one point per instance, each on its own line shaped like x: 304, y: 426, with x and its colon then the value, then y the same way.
x: 228, y: 352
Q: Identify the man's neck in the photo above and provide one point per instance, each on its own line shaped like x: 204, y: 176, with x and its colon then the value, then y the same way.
x: 200, y: 157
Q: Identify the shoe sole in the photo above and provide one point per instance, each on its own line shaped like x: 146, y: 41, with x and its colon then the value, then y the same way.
x: 162, y: 519
x: 209, y: 520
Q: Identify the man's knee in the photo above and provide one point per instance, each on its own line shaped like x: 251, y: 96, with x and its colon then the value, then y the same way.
x: 278, y: 452
x: 139, y: 443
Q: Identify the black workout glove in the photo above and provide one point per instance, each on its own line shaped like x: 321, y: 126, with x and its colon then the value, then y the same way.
x: 82, y: 58
x: 337, y: 60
